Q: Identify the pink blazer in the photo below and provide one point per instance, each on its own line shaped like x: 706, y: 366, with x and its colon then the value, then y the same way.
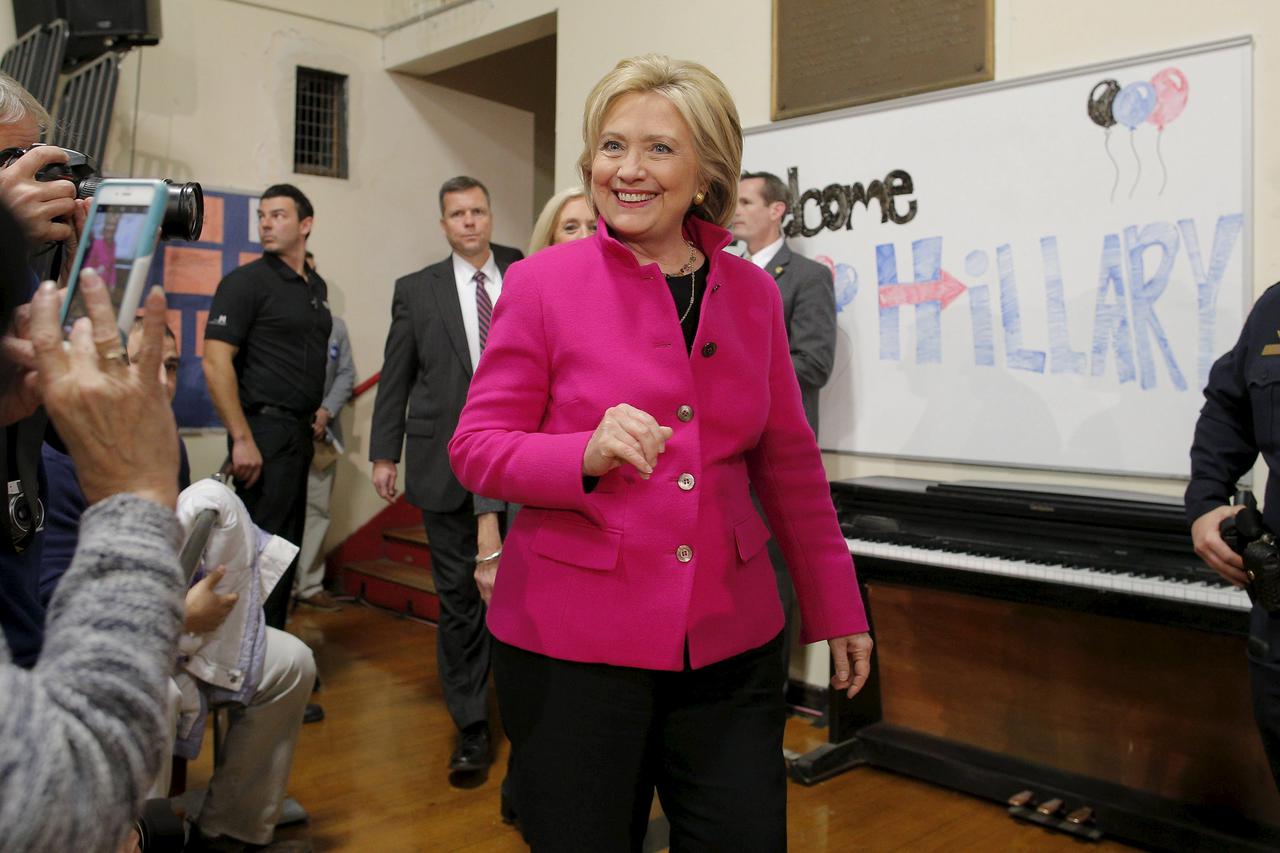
x: 625, y: 573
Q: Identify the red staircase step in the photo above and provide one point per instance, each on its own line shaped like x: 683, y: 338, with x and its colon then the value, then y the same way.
x: 403, y: 587
x: 413, y: 535
x: 406, y: 545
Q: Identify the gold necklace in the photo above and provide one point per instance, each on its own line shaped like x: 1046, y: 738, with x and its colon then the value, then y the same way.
x: 693, y: 279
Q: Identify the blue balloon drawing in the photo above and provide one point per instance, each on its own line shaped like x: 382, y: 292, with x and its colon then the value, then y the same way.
x: 1134, y: 103
x: 1131, y: 107
x: 846, y: 281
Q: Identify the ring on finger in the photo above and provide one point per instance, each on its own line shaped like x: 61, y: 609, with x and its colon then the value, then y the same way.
x: 114, y: 356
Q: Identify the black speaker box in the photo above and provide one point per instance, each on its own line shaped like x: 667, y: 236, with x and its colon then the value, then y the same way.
x: 95, y: 26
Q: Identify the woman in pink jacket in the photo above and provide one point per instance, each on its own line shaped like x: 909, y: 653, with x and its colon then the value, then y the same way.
x: 635, y: 386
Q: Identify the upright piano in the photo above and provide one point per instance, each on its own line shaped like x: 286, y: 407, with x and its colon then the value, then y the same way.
x: 1064, y: 645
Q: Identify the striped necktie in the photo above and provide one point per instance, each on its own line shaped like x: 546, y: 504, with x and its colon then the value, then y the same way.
x: 484, y: 307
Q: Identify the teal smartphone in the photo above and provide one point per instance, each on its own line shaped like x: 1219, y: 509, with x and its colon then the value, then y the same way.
x: 119, y: 243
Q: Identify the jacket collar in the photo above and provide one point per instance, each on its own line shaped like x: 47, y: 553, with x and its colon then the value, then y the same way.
x: 710, y: 240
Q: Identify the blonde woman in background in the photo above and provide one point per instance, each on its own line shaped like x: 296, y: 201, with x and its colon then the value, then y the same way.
x: 564, y: 218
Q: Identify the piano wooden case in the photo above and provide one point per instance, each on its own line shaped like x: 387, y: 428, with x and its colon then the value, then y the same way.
x: 1070, y: 645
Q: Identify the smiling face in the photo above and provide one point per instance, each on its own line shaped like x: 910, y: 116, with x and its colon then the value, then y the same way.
x: 645, y: 170
x: 574, y: 222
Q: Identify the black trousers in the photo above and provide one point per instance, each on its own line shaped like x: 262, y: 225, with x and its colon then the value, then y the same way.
x: 277, y: 503
x: 591, y: 742
x: 1264, y: 673
x: 463, y: 642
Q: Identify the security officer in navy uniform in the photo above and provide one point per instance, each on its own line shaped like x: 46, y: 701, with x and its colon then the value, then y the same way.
x: 1240, y: 419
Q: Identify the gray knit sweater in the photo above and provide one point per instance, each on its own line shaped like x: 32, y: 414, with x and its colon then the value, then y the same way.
x: 83, y: 733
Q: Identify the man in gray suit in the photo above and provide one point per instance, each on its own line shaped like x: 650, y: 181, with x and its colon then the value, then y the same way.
x: 809, y: 307
x: 808, y: 295
x: 440, y: 319
x: 326, y: 430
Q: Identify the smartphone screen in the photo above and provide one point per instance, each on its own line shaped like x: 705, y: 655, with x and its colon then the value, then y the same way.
x: 115, y: 236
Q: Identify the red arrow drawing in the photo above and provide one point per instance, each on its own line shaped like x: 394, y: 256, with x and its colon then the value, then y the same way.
x: 944, y: 290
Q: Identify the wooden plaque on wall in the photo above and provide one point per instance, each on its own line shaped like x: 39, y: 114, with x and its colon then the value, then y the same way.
x: 829, y: 54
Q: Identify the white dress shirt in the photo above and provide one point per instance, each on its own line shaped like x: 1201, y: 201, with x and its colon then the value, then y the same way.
x: 463, y: 272
x: 762, y: 257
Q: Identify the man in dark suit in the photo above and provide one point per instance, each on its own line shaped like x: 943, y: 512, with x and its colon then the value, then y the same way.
x: 809, y: 307
x: 440, y: 318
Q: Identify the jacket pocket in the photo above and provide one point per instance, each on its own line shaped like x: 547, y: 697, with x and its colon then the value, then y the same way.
x: 420, y: 426
x: 751, y: 535
x: 1263, y: 378
x: 577, y: 544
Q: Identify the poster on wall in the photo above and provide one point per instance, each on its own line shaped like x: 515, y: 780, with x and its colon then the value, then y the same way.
x: 1036, y: 273
x: 189, y: 274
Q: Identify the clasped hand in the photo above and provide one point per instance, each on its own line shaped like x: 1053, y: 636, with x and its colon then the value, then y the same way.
x: 625, y: 435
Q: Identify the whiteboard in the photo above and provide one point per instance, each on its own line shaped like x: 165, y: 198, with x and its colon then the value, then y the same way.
x: 1021, y: 281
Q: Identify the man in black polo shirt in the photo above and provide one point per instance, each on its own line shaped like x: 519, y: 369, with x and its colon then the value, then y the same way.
x: 266, y: 341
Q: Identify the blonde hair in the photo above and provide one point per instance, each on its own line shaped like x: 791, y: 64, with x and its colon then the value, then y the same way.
x: 704, y: 104
x: 16, y: 103
x: 544, y: 230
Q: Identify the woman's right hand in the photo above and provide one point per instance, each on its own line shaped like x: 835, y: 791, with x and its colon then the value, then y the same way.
x: 625, y: 435
x: 114, y: 417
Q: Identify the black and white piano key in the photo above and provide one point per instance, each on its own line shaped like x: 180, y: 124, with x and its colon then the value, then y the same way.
x: 1131, y: 583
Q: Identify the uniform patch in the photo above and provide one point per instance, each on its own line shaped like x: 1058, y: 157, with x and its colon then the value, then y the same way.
x: 1272, y: 349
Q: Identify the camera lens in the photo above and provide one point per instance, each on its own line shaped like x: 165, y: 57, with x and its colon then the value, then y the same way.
x: 88, y: 186
x: 184, y: 212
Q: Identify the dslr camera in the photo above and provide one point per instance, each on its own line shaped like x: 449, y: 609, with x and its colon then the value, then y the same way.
x: 26, y: 517
x: 1247, y: 535
x: 184, y: 211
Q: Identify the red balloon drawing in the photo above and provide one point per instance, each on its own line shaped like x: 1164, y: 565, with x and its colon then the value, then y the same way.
x: 1171, y: 96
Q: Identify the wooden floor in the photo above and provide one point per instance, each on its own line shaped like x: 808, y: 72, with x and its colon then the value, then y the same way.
x: 372, y: 774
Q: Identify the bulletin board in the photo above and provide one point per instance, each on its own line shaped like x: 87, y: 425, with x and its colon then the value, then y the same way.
x: 189, y: 273
x: 1034, y: 273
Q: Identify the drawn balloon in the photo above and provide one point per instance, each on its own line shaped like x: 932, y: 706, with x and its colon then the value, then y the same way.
x: 1171, y: 88
x: 1100, y: 103
x: 1101, y: 99
x: 846, y: 281
x: 1134, y: 103
x: 1131, y: 107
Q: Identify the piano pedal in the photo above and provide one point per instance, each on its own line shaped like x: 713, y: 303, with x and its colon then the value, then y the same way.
x: 1080, y: 816
x: 1077, y: 823
x: 1022, y: 798
x: 1049, y: 808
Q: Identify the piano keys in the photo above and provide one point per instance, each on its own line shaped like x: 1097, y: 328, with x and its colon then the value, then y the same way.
x: 1068, y: 643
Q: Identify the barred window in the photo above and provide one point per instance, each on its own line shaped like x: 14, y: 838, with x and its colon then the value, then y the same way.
x: 320, y: 124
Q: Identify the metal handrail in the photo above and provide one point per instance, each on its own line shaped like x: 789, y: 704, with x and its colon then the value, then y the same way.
x: 201, y: 529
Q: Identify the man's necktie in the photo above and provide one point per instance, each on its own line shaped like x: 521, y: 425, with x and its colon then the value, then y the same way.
x: 484, y: 307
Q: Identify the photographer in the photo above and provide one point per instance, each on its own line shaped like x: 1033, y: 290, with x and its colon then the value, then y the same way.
x: 1240, y: 419
x: 43, y: 209
x: 82, y: 733
x: 47, y: 210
